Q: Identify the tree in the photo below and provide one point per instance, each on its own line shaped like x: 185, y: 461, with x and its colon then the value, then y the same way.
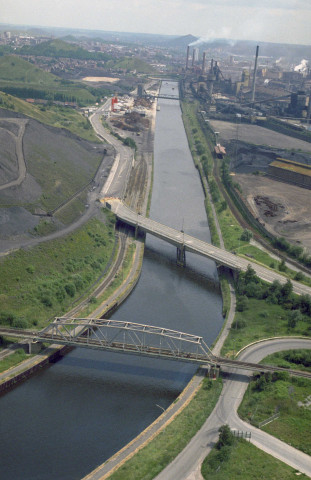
x: 242, y: 303
x: 286, y: 290
x: 246, y: 235
x: 293, y: 317
x: 282, y: 266
x: 226, y: 437
x: 250, y: 275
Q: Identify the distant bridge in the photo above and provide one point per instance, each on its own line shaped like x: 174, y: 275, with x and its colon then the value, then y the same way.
x: 135, y: 338
x: 185, y: 242
x: 162, y: 95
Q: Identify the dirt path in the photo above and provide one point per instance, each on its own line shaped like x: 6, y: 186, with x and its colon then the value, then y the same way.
x: 22, y: 169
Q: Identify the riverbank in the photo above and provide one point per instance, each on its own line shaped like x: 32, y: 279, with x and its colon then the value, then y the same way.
x: 21, y: 372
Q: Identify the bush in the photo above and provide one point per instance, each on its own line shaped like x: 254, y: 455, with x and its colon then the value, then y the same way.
x: 20, y: 323
x: 226, y: 437
x: 238, y: 324
x: 242, y: 303
x: 246, y: 235
x: 46, y: 300
x: 70, y: 289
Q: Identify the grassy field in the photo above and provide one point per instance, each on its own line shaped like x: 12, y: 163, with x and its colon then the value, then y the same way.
x: 56, y: 116
x: 115, y: 284
x: 151, y: 460
x: 11, y: 360
x: 254, y: 253
x: 246, y: 462
x: 44, y: 281
x: 281, y: 394
x: 260, y: 320
x: 25, y: 80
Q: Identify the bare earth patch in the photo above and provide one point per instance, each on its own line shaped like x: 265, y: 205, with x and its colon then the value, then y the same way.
x: 284, y: 208
x: 101, y: 79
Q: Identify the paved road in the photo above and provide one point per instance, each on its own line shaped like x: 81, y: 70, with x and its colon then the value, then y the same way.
x: 195, y: 245
x: 116, y: 183
x: 225, y: 412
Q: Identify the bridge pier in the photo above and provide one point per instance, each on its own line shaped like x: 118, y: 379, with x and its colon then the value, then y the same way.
x: 181, y: 256
x: 136, y: 231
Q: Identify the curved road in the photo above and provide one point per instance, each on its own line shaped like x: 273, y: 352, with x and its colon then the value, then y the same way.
x: 225, y: 412
x: 114, y: 185
x: 19, y: 152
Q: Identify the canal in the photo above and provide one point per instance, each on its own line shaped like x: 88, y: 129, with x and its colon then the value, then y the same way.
x: 71, y: 417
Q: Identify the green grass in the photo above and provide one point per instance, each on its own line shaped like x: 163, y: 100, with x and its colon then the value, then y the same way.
x: 246, y: 462
x: 153, y: 458
x: 225, y: 293
x: 74, y: 209
x: 256, y: 254
x: 262, y: 320
x: 14, y: 359
x: 56, y: 116
x: 282, y: 396
x: 25, y: 80
x: 129, y: 63
x: 42, y: 282
x: 115, y: 284
x: 15, y: 69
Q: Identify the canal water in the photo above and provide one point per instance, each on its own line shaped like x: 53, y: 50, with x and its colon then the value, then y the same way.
x: 71, y: 417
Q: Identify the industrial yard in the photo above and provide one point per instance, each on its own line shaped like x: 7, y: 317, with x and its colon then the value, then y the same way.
x: 283, y: 208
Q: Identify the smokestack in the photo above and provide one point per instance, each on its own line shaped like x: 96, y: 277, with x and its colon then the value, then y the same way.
x: 187, y: 57
x: 193, y: 57
x: 254, y: 76
x: 212, y: 66
x: 309, y: 110
x: 204, y: 62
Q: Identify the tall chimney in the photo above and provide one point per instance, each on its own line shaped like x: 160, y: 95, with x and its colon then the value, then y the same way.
x: 254, y: 76
x: 193, y: 57
x: 187, y: 57
x: 204, y: 62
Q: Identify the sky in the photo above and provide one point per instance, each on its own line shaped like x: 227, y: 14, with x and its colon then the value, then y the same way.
x: 280, y: 21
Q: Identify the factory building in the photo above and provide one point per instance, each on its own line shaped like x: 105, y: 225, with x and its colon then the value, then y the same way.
x: 291, y: 172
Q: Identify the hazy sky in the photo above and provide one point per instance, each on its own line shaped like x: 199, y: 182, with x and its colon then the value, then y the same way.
x: 287, y: 21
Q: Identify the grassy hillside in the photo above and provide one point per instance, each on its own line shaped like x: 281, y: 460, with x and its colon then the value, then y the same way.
x: 23, y: 79
x: 15, y: 69
x: 131, y: 64
x: 59, y: 48
x: 42, y: 282
x: 55, y: 116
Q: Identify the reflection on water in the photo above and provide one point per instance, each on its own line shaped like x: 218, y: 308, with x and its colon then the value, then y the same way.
x: 71, y: 417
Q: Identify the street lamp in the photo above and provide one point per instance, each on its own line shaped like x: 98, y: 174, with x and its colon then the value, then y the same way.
x: 160, y: 407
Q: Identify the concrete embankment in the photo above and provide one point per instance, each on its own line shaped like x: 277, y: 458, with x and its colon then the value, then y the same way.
x: 15, y: 375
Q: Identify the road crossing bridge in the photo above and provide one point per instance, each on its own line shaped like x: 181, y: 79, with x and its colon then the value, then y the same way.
x: 186, y: 243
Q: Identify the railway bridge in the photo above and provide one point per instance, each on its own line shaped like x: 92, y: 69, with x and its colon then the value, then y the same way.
x: 138, y: 339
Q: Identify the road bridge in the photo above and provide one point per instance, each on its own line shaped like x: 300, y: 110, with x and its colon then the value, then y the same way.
x: 163, y: 95
x: 138, y: 339
x: 184, y: 242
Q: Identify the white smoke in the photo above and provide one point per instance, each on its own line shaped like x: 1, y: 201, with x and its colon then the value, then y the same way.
x: 302, y: 67
x: 210, y: 37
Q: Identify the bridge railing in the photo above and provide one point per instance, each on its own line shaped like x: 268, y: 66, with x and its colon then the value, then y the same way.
x: 122, y: 334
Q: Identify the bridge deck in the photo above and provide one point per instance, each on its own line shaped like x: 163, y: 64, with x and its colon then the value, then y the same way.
x: 194, y: 245
x: 85, y: 340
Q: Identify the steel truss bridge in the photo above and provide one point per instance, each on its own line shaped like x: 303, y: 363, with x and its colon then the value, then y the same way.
x: 137, y: 339
x: 129, y: 337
